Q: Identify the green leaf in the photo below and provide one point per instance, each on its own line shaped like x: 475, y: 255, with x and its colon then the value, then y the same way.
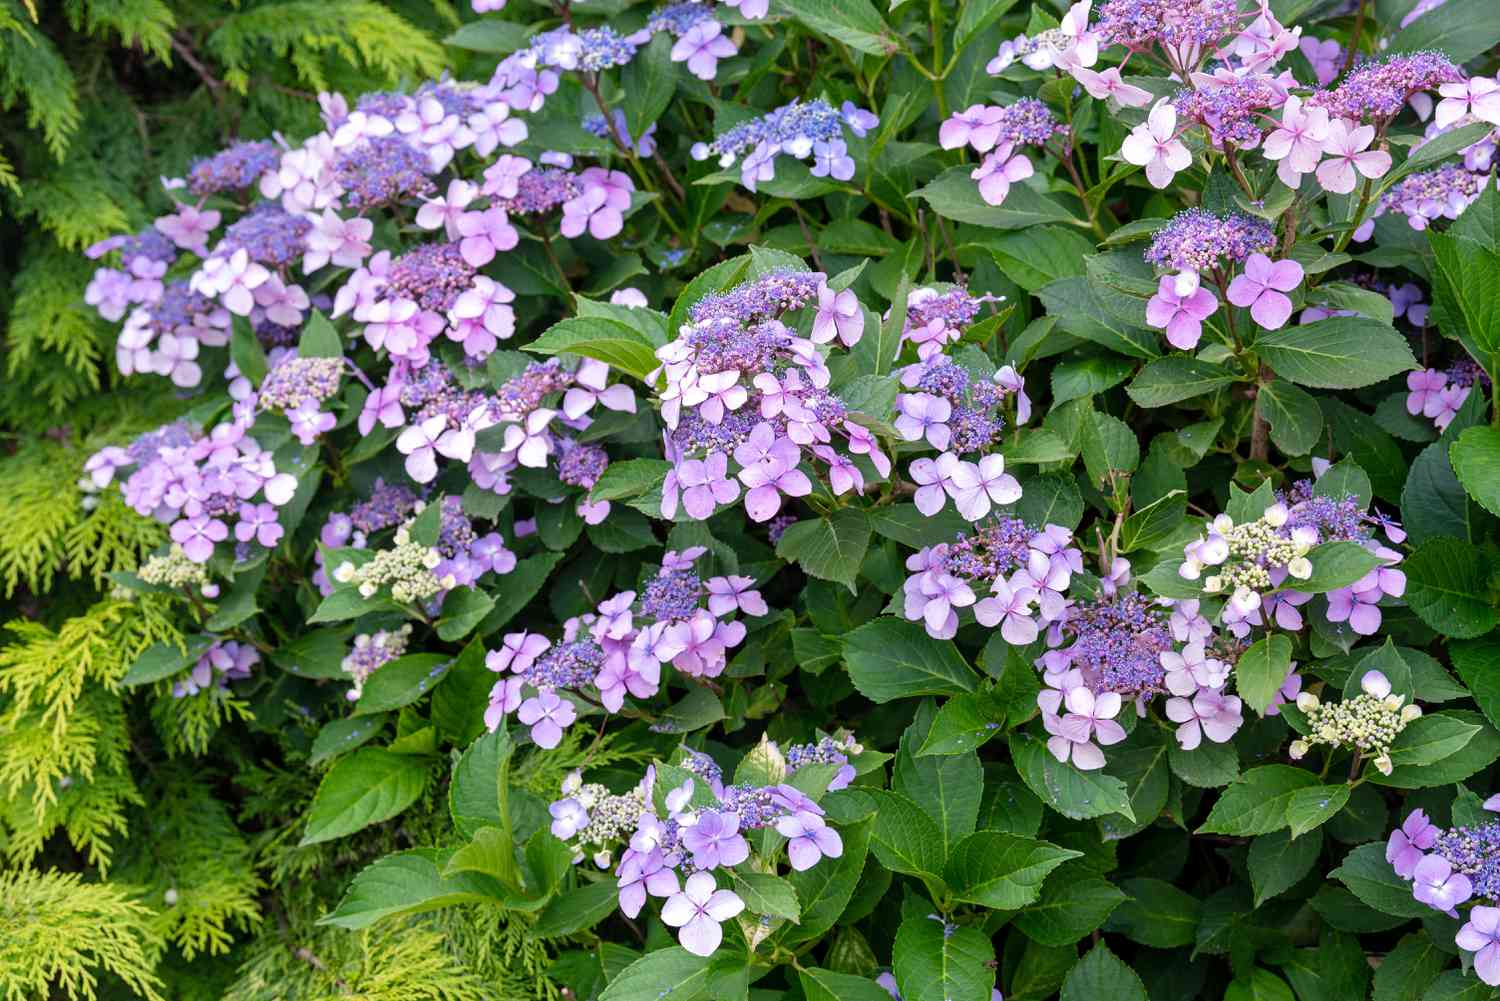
x: 1481, y: 751
x: 825, y: 890
x: 1465, y: 285
x: 964, y: 723
x: 609, y: 341
x: 1261, y: 985
x: 463, y: 609
x: 492, y: 852
x: 626, y: 530
x: 491, y: 35
x: 347, y: 603
x: 1049, y: 497
x: 1157, y: 522
x: 316, y: 654
x: 1307, y: 809
x: 367, y: 787
x: 1078, y: 311
x: 890, y: 658
x: 1075, y: 794
x: 1156, y: 913
x: 1456, y: 985
x: 954, y: 195
x: 934, y: 961
x: 1110, y: 448
x: 629, y: 478
x: 409, y: 883
x: 1037, y: 445
x: 341, y: 736
x: 1478, y: 664
x: 819, y: 984
x: 903, y: 523
x: 402, y: 682
x: 671, y: 974
x: 699, y: 708
x: 1409, y: 969
x: 1277, y: 862
x: 521, y: 585
x: 162, y: 660
x: 1261, y: 669
x: 1072, y: 380
x: 1256, y: 803
x: 1370, y: 878
x: 1296, y: 419
x: 1102, y: 976
x: 977, y: 15
x: 1335, y: 565
x: 905, y: 838
x: 578, y: 910
x: 1001, y: 871
x: 1476, y: 462
x: 1175, y: 378
x: 245, y: 351
x: 856, y: 23
x: 1460, y: 30
x: 767, y: 894
x: 947, y: 787
x: 1068, y: 910
x: 1367, y: 303
x: 1433, y: 502
x: 888, y: 345
x: 479, y: 794
x: 1038, y: 256
x: 1440, y: 147
x: 830, y: 548
x: 1207, y: 766
x: 1345, y: 352
x: 1432, y: 738
x: 1447, y: 585
x: 649, y: 81
x: 319, y: 339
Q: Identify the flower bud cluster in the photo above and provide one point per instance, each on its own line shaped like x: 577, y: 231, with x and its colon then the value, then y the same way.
x: 675, y: 843
x: 296, y: 382
x: 406, y: 568
x: 594, y: 821
x: 174, y: 569
x: 1368, y: 723
x: 370, y: 652
x: 1250, y: 557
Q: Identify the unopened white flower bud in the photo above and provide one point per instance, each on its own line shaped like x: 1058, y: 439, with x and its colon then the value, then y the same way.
x: 1307, y: 701
x: 1298, y: 750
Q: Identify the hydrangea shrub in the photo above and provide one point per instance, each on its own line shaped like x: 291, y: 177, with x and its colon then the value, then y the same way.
x: 993, y: 501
